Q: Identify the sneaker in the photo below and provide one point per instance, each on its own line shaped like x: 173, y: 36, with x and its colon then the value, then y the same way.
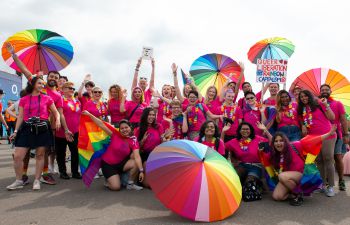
x: 36, y: 185
x: 25, y: 179
x: 342, y: 186
x: 321, y: 190
x: 330, y: 192
x: 18, y: 184
x: 96, y: 176
x: 47, y: 179
x: 76, y: 176
x: 52, y: 170
x: 64, y: 176
x: 132, y: 186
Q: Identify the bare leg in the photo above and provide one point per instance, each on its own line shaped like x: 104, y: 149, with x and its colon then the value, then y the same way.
x: 287, y: 182
x: 39, y: 156
x: 18, y: 156
x: 114, y: 182
x: 131, y: 166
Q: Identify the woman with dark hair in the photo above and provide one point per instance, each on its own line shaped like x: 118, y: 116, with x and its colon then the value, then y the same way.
x: 209, y: 135
x: 316, y: 119
x: 253, y: 112
x: 287, y: 160
x: 287, y: 116
x: 33, y: 130
x: 115, y: 97
x: 122, y: 155
x: 134, y: 108
x: 196, y: 114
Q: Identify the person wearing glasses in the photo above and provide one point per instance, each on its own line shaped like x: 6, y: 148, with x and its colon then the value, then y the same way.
x: 88, y: 84
x: 178, y: 122
x: 253, y: 112
x: 142, y: 83
x: 72, y: 112
x: 96, y: 106
x: 115, y: 97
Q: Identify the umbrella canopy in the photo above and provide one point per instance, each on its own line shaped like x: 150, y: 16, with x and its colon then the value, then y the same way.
x: 314, y: 78
x: 194, y: 180
x: 271, y: 48
x: 39, y: 50
x: 214, y: 70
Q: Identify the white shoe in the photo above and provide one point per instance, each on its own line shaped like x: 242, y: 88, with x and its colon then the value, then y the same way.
x: 132, y: 186
x: 330, y: 192
x: 36, y: 185
x: 96, y: 176
x: 18, y: 184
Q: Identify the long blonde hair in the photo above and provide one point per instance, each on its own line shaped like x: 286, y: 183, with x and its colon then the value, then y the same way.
x: 206, y: 100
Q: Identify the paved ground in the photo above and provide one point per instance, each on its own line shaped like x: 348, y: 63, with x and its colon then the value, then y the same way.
x: 69, y: 202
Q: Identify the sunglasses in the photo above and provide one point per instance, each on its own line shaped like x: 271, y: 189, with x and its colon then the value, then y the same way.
x: 97, y: 92
x: 250, y: 98
x: 143, y: 78
x: 71, y: 88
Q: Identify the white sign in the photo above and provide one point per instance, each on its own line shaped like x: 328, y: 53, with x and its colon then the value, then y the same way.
x: 271, y: 71
x: 147, y: 53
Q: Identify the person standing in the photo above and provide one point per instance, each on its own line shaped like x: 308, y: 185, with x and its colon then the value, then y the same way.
x: 115, y: 97
x: 10, y: 120
x: 2, y: 120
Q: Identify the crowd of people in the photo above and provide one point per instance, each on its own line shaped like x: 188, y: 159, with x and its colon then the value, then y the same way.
x: 46, y: 118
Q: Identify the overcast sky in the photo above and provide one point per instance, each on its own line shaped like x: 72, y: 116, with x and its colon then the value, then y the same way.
x: 108, y: 35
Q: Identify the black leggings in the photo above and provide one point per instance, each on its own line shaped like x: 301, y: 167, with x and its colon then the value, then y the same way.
x: 61, y: 146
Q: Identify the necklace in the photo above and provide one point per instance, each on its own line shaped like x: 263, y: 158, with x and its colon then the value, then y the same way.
x: 72, y: 103
x: 307, y: 116
x: 231, y: 114
x: 244, y: 144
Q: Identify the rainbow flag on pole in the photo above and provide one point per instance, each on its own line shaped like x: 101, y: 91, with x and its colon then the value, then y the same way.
x: 93, y: 142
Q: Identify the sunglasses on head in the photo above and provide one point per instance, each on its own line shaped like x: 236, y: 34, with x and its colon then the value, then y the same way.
x: 250, y: 98
x: 97, y: 92
x: 143, y: 78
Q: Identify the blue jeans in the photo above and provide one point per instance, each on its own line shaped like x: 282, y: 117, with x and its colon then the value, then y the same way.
x: 292, y: 132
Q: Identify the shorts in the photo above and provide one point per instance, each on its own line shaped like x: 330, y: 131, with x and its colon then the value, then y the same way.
x: 25, y: 138
x: 340, y: 147
x: 144, y: 156
x: 109, y: 170
x: 252, y: 169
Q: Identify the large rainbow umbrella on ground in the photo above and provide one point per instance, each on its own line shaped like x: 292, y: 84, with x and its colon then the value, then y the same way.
x: 214, y: 70
x: 271, y: 48
x: 39, y: 50
x: 194, y: 180
x: 313, y: 79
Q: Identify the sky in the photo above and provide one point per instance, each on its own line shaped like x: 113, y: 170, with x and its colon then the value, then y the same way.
x: 108, y: 36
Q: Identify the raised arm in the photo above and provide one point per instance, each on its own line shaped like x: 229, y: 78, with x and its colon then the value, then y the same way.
x: 184, y: 123
x: 329, y: 112
x: 151, y: 82
x: 98, y: 122
x: 18, y: 62
x: 238, y: 84
x: 176, y: 83
x: 194, y: 86
x: 82, y: 85
x: 122, y: 108
x: 136, y: 74
x: 262, y: 127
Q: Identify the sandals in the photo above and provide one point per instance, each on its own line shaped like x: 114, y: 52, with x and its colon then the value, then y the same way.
x: 296, y: 199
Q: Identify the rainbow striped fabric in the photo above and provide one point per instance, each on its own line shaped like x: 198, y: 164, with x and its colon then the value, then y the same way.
x: 93, y: 142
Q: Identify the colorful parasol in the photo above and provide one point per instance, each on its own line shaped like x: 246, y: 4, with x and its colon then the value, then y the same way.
x: 314, y: 78
x: 39, y: 50
x: 271, y: 48
x: 214, y: 69
x: 194, y: 180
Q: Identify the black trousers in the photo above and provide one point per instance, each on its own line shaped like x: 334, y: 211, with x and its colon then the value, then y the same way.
x: 61, y: 146
x: 11, y: 125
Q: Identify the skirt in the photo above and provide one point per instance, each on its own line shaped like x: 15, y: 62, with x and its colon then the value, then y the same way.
x: 25, y: 138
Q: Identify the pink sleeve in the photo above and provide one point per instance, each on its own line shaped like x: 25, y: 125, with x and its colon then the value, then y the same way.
x: 239, y: 113
x: 50, y: 102
x: 298, y: 146
x: 205, y: 108
x: 221, y: 149
x: 134, y: 145
x: 59, y: 103
x: 160, y: 129
x: 137, y: 132
x: 258, y: 96
x: 22, y: 102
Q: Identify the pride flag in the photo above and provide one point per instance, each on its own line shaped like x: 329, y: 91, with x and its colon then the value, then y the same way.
x: 93, y: 142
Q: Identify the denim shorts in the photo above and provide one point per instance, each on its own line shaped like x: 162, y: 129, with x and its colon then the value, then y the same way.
x: 252, y: 169
x: 340, y: 147
x: 292, y: 132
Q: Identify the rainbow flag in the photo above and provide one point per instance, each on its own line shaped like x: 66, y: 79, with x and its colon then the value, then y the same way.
x: 311, y: 180
x: 93, y: 142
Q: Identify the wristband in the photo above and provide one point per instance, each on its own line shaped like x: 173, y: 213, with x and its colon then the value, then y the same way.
x: 141, y: 170
x: 15, y: 131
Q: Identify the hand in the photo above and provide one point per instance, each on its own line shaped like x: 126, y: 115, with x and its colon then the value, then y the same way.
x: 324, y: 102
x: 241, y: 64
x: 169, y: 132
x: 152, y: 62
x: 221, y: 117
x: 125, y: 93
x: 58, y: 124
x: 13, y: 136
x: 346, y: 139
x: 139, y: 61
x: 261, y: 126
x: 10, y: 48
x: 189, y: 109
x: 69, y: 136
x: 262, y: 108
x: 304, y: 130
x: 226, y: 127
x: 87, y: 78
x: 145, y: 136
x: 174, y: 68
x: 141, y: 176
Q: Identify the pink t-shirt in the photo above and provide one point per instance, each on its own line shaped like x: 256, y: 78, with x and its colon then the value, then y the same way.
x: 213, y: 105
x: 114, y: 110
x: 289, y: 116
x: 253, y: 116
x: 232, y: 112
x: 270, y: 102
x: 196, y: 117
x: 221, y: 148
x: 242, y: 102
x: 56, y: 97
x: 338, y: 110
x: 148, y: 96
x: 84, y: 99
x: 297, y: 164
x: 98, y: 109
x: 154, y: 138
x: 319, y: 123
x: 31, y: 103
x: 186, y: 102
x: 246, y: 155
x: 163, y: 109
x: 120, y: 148
x: 71, y: 112
x: 130, y: 106
x: 177, y: 124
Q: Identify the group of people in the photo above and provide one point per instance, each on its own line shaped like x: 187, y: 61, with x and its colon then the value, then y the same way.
x: 49, y: 112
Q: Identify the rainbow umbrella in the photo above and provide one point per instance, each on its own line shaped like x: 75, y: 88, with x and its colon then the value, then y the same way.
x: 39, y: 50
x: 214, y: 69
x: 314, y: 78
x: 194, y: 180
x: 271, y: 48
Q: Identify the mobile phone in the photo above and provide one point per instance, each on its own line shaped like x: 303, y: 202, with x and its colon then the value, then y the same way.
x: 264, y: 146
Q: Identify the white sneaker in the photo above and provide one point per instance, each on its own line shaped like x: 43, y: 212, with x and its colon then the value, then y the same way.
x: 96, y: 176
x: 330, y: 192
x: 18, y: 184
x: 132, y: 186
x: 52, y: 169
x: 36, y: 185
